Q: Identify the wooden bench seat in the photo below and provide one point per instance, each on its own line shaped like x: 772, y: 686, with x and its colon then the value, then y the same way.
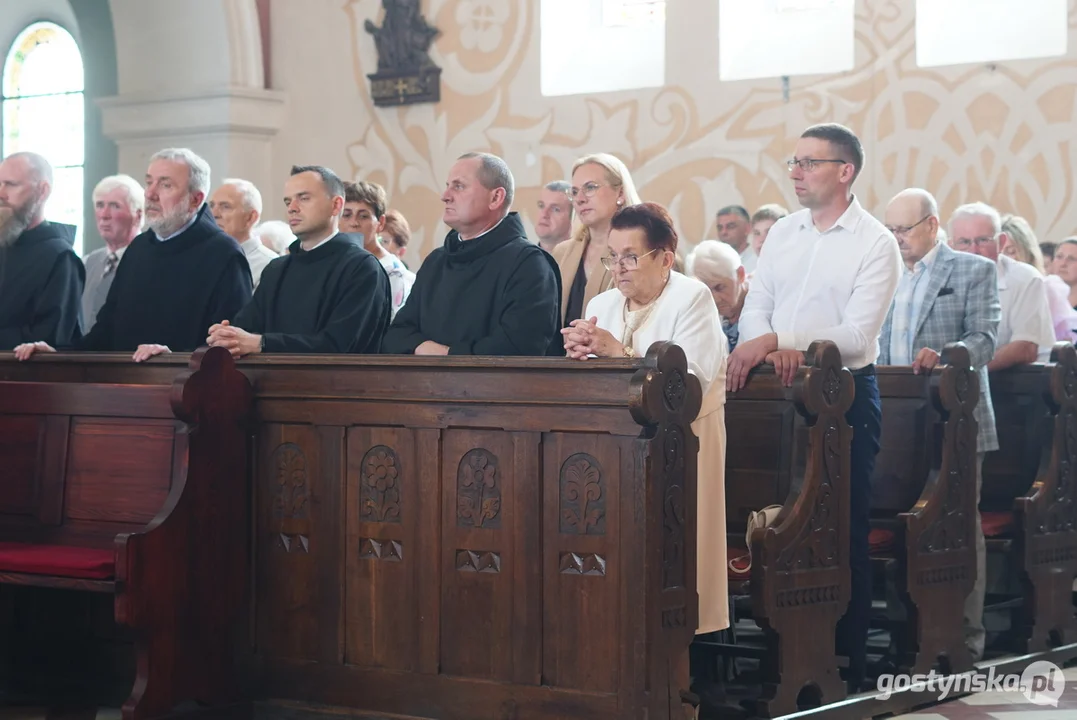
x: 140, y: 492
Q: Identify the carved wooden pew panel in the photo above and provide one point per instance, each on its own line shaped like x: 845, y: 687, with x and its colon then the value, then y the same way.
x: 790, y: 447
x: 928, y: 424
x: 1046, y: 517
x: 453, y: 538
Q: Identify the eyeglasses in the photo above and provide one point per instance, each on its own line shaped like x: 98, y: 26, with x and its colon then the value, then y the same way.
x: 978, y: 242
x: 627, y: 262
x: 903, y: 230
x: 588, y: 190
x: 808, y: 164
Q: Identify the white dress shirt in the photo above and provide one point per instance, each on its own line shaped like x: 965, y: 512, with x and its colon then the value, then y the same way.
x: 258, y: 256
x: 1026, y: 315
x: 835, y: 285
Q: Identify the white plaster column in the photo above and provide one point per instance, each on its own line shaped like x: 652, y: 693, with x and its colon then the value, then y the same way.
x: 190, y: 75
x: 232, y: 128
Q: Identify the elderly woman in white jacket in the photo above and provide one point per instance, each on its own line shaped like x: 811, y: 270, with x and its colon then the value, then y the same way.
x: 651, y: 302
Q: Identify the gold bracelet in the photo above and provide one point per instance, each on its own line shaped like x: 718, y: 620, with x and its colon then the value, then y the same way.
x: 628, y: 351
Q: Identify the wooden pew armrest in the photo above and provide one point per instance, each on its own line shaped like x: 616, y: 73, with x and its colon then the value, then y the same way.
x: 194, y: 551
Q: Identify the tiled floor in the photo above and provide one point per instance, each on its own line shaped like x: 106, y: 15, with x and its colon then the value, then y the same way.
x: 1005, y: 706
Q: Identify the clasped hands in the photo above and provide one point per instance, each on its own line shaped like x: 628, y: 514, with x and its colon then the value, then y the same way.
x: 584, y: 338
x: 235, y: 340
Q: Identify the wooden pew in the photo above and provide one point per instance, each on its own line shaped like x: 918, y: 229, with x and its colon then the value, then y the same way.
x: 476, y: 538
x: 790, y: 446
x: 923, y: 500
x: 1029, y: 496
x: 138, y: 491
x: 469, y: 538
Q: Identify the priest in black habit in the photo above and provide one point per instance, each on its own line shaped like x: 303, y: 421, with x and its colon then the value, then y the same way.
x: 41, y: 277
x: 326, y: 295
x: 488, y: 290
x: 178, y: 277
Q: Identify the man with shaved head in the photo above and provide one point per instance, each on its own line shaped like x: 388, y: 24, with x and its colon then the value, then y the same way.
x: 41, y: 277
x: 944, y: 296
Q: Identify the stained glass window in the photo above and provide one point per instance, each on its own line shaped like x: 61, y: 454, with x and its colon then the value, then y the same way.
x: 43, y: 112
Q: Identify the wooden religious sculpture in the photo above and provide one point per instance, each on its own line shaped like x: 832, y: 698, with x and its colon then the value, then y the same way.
x: 406, y: 74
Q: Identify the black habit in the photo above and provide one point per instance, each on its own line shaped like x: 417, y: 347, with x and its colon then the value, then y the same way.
x: 498, y: 294
x: 41, y: 280
x: 332, y: 299
x: 169, y: 292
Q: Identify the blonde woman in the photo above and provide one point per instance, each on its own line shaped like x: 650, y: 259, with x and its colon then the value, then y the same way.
x: 601, y: 185
x: 1020, y: 243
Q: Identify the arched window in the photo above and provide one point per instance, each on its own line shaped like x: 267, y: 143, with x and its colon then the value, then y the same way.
x: 43, y: 110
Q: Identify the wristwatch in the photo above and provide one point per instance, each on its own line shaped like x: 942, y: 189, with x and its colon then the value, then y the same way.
x: 629, y: 352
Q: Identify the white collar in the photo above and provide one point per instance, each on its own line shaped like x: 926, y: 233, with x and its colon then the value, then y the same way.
x: 331, y: 235
x: 849, y: 220
x: 484, y: 232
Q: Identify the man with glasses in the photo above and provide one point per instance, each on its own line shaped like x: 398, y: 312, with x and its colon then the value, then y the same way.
x: 1025, y: 332
x: 944, y: 296
x: 830, y: 274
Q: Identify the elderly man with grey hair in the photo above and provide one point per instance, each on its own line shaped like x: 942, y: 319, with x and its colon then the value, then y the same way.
x: 554, y: 224
x: 944, y: 296
x: 41, y: 277
x: 237, y: 206
x: 179, y: 277
x: 488, y: 290
x: 1026, y: 331
x: 118, y: 202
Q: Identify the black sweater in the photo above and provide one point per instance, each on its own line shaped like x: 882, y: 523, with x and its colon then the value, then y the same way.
x: 333, y: 299
x: 41, y: 280
x: 498, y: 294
x: 170, y: 292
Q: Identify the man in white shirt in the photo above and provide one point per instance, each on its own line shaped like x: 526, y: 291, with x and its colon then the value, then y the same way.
x: 118, y: 202
x: 1025, y: 333
x: 237, y: 206
x: 830, y: 273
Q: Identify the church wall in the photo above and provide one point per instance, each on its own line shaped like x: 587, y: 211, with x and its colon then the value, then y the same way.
x: 1002, y: 134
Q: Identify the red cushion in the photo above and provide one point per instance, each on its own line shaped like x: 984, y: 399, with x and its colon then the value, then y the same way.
x: 60, y: 560
x: 996, y: 524
x: 880, y: 540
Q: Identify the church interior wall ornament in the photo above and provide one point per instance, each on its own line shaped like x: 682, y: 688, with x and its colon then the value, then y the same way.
x: 406, y: 75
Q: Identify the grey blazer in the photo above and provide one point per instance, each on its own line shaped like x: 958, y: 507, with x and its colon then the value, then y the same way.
x: 960, y: 304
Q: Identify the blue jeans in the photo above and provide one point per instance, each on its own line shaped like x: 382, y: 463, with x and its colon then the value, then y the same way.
x: 865, y: 418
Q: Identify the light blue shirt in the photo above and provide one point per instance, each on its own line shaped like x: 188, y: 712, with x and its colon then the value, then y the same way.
x: 183, y: 229
x: 908, y: 302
